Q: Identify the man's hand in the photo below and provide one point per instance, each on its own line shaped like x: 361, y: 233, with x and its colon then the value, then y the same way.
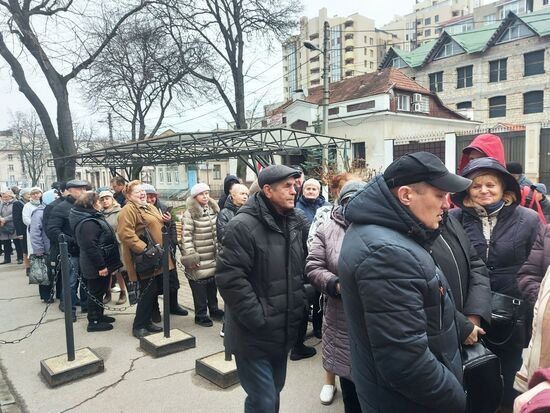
x: 474, y: 335
x: 475, y: 320
x: 167, y: 217
x: 104, y: 272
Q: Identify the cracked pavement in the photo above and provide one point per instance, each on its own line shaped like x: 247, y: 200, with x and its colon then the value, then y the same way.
x: 133, y: 381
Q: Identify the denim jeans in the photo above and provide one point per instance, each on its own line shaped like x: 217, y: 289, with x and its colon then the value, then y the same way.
x: 262, y: 380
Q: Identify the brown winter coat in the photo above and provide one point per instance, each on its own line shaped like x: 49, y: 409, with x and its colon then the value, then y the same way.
x: 130, y: 227
x: 199, y: 243
x: 322, y: 271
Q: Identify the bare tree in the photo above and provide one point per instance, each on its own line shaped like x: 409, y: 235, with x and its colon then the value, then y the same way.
x: 140, y: 73
x: 31, y: 143
x: 21, y: 20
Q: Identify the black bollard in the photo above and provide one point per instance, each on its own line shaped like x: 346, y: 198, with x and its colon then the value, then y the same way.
x: 65, y: 276
x: 166, y: 281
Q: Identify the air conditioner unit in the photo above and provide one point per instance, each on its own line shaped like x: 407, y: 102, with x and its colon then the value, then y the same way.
x: 417, y: 97
x: 415, y: 107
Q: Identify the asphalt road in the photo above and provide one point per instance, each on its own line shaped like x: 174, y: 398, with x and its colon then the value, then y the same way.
x: 132, y: 381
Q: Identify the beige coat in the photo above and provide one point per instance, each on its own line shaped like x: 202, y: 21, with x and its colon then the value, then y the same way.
x: 129, y: 229
x: 199, y: 244
x: 537, y: 354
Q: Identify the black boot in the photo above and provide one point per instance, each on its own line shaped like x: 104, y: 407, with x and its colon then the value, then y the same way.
x: 175, y: 308
x: 200, y: 301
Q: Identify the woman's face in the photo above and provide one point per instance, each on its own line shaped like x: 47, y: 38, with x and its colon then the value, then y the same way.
x: 240, y: 195
x: 486, y: 190
x: 106, y: 202
x: 35, y: 196
x: 138, y: 195
x: 203, y: 198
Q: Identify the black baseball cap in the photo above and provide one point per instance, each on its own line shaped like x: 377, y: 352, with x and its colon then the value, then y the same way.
x: 423, y: 167
x: 276, y: 173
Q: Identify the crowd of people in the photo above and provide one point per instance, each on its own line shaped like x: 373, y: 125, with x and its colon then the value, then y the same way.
x: 398, y: 276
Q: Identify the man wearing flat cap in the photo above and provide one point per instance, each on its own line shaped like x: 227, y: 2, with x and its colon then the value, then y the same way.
x: 259, y: 275
x: 58, y: 223
x: 397, y: 302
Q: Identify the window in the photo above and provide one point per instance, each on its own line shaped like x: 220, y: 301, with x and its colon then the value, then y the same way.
x: 398, y: 63
x: 348, y: 36
x: 161, y: 176
x: 427, y: 20
x: 10, y: 168
x: 314, y: 70
x: 349, y: 73
x: 497, y: 107
x: 438, y: 30
x: 314, y: 59
x: 371, y: 65
x: 464, y: 105
x: 333, y: 111
x: 533, y: 102
x: 545, y: 2
x: 371, y: 53
x: 371, y: 41
x: 533, y: 63
x: 365, y: 63
x: 361, y: 106
x: 436, y: 81
x: 449, y: 49
x: 516, y: 30
x: 464, y: 77
x: 12, y: 178
x: 497, y: 70
x: 427, y: 32
x: 436, y: 18
x: 489, y: 19
x: 349, y: 61
x: 314, y: 36
x: 349, y: 49
x: 315, y: 82
x: 10, y: 157
x: 404, y: 102
x: 359, y: 154
x: 217, y: 171
x: 168, y: 177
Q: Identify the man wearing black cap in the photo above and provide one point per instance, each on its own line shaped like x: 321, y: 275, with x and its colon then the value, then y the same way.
x: 58, y: 223
x: 399, y: 310
x: 259, y: 275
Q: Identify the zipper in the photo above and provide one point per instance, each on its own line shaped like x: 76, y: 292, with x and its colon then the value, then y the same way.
x: 457, y: 271
x: 441, y: 300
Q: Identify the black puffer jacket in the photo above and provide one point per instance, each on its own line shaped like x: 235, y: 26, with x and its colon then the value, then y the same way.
x: 58, y: 223
x: 17, y: 212
x: 224, y: 216
x: 259, y: 275
x: 404, y: 343
x: 97, y: 242
x: 466, y: 273
x: 511, y: 238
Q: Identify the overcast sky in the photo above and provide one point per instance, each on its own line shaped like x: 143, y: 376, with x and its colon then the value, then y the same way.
x: 267, y: 86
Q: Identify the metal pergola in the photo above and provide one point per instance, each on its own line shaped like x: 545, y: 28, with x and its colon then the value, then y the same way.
x: 253, y: 146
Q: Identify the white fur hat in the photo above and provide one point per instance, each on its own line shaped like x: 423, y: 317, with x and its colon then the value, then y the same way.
x: 199, y: 188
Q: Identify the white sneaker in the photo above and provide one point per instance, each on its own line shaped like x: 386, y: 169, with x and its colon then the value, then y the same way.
x: 327, y: 394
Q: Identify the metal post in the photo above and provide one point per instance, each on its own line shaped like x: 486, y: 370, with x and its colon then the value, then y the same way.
x: 326, y: 67
x: 65, y: 277
x: 166, y: 281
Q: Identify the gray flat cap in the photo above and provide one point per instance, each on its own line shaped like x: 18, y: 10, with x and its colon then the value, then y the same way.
x: 77, y: 183
x: 276, y: 173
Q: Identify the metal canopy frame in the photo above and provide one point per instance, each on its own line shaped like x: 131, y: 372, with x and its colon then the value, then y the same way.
x: 257, y: 145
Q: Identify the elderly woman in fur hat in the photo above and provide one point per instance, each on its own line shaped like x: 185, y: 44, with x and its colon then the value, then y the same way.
x: 199, y: 253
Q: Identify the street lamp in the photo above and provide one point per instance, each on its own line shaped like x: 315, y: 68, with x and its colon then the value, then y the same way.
x: 326, y: 90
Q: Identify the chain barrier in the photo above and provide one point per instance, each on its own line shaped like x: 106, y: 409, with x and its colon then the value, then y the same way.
x: 39, y: 323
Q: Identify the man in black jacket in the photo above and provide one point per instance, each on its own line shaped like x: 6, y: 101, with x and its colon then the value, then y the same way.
x: 259, y: 275
x: 400, y: 313
x: 58, y: 223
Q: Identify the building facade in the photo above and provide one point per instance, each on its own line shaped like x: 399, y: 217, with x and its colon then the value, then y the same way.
x: 356, y: 47
x: 494, y: 74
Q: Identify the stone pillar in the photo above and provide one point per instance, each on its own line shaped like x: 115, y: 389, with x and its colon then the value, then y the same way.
x: 450, y: 151
x: 388, y: 152
x: 532, y: 151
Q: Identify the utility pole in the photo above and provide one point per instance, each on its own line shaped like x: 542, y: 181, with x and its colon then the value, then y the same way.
x: 110, y: 125
x: 326, y: 67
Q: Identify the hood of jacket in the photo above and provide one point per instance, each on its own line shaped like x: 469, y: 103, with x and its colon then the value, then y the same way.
x: 488, y: 163
x: 376, y: 205
x: 489, y: 144
x: 229, y: 179
x: 114, y: 210
x: 196, y: 210
x: 257, y: 207
x: 230, y: 205
x: 78, y: 214
x: 337, y: 215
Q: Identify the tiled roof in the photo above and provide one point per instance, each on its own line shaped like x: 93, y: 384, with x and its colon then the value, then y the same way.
x: 368, y: 84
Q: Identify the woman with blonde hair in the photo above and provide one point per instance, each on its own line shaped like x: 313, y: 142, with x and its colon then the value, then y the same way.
x: 134, y: 220
x: 502, y: 232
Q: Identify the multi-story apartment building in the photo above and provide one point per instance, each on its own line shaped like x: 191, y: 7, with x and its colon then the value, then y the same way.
x: 356, y: 47
x: 498, y: 73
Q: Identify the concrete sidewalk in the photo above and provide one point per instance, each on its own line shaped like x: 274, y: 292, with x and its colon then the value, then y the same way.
x: 132, y: 381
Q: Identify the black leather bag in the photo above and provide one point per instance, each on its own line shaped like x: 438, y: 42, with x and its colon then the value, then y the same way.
x: 150, y: 260
x: 482, y: 378
x: 508, y: 321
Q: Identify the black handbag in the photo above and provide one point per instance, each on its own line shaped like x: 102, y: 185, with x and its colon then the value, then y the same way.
x: 482, y: 378
x: 148, y: 261
x: 508, y: 321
